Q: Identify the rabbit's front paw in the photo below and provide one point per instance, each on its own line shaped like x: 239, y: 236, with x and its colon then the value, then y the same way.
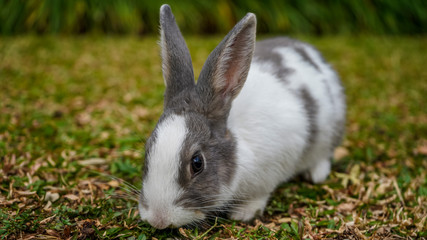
x: 250, y: 209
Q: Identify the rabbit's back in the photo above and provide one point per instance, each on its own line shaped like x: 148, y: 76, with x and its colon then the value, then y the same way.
x: 290, y: 112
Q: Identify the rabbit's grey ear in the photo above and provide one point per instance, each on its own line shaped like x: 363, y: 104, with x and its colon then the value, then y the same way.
x: 176, y: 60
x: 226, y: 69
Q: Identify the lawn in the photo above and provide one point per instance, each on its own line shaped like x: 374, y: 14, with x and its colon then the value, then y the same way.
x: 75, y: 113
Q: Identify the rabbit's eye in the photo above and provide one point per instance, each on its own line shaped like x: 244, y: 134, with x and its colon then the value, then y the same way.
x: 196, y: 164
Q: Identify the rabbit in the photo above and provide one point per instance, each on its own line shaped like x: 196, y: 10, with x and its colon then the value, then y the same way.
x: 259, y: 114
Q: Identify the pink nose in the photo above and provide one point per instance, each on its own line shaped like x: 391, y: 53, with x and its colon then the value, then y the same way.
x: 159, y: 222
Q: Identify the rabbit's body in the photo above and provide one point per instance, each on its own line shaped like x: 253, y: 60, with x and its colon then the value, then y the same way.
x: 287, y: 119
x: 228, y: 141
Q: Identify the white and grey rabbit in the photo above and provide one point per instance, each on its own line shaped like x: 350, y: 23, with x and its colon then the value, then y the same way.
x: 260, y: 114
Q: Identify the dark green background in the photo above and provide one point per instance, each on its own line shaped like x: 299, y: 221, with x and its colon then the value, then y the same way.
x: 393, y: 17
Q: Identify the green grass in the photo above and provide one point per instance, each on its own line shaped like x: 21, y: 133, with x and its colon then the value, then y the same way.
x: 74, y: 110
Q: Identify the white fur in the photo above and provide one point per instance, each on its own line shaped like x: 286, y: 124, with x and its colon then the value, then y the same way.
x: 270, y: 123
x: 161, y: 187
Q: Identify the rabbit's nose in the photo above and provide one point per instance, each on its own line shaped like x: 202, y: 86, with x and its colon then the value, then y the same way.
x: 159, y: 223
x: 159, y: 220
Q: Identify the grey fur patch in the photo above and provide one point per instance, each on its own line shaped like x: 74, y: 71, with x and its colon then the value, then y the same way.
x: 264, y: 52
x: 311, y: 109
x: 301, y: 51
x: 219, y: 153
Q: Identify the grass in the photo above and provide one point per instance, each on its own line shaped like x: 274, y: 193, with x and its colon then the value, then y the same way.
x: 76, y: 110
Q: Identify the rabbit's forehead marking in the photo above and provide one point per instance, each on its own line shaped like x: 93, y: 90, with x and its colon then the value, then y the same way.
x: 160, y: 185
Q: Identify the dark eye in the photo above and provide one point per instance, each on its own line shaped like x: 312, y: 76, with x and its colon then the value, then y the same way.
x: 196, y: 164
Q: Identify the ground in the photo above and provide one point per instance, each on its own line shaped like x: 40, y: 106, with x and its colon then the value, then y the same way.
x: 75, y: 113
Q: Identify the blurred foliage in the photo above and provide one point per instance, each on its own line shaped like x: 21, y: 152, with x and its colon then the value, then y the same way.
x: 205, y: 16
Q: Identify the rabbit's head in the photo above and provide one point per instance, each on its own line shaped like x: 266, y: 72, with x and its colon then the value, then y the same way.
x: 190, y: 156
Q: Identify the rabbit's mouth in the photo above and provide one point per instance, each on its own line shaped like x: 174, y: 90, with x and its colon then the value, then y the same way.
x: 162, y: 218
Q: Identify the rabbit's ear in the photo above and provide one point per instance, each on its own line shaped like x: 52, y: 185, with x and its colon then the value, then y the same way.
x: 226, y: 69
x: 176, y: 60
